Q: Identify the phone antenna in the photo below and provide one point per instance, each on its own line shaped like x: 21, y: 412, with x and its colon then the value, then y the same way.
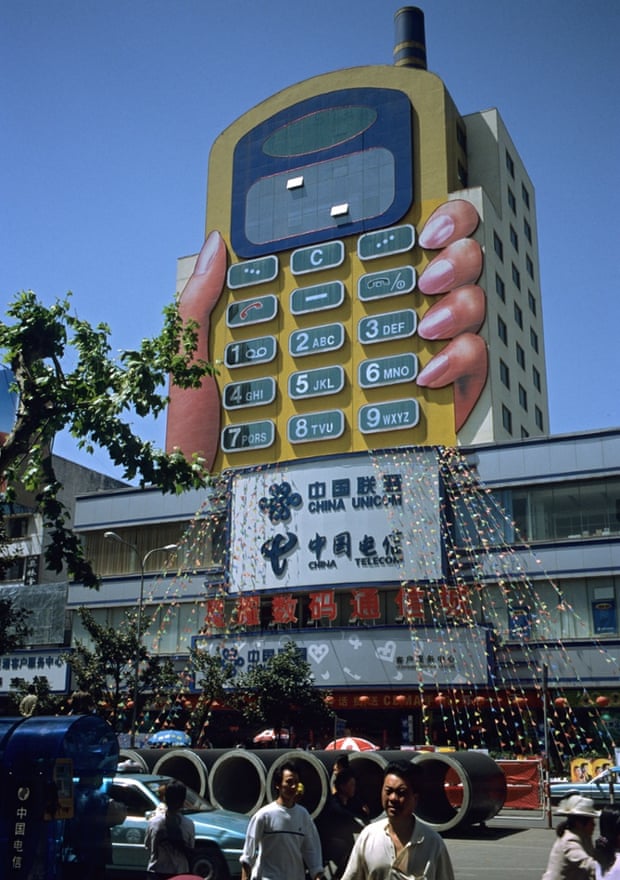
x: 409, y: 38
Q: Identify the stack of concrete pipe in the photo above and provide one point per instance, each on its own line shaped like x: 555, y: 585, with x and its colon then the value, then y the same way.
x: 459, y: 788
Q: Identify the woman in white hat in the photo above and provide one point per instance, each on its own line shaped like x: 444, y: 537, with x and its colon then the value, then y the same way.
x: 572, y: 854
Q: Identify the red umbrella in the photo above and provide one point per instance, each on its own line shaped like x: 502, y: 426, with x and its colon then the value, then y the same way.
x: 270, y: 735
x: 352, y: 744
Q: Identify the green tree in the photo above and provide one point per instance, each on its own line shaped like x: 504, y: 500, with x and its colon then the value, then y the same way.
x: 66, y: 380
x: 281, y: 693
x: 106, y: 671
x: 14, y: 629
x: 212, y: 676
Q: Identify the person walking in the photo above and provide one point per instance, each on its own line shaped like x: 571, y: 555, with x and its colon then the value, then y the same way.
x: 572, y: 854
x: 607, y: 846
x: 170, y: 836
x: 340, y: 822
x: 28, y: 703
x: 282, y: 842
x: 399, y: 844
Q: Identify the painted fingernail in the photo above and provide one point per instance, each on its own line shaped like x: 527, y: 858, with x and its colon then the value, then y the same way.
x: 438, y: 277
x: 433, y: 371
x: 209, y: 250
x: 436, y: 324
x: 437, y: 231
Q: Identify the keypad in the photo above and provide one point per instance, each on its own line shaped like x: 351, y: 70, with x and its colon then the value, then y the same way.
x: 390, y: 320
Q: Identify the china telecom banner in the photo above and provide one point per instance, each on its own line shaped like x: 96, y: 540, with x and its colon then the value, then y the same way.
x: 372, y: 658
x: 352, y: 519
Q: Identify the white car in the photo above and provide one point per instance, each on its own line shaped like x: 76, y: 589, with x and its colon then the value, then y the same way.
x: 220, y: 834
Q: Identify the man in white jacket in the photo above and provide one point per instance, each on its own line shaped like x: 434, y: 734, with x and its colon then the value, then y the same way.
x: 399, y: 844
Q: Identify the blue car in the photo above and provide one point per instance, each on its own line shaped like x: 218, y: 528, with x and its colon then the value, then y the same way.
x: 220, y: 834
x: 602, y: 788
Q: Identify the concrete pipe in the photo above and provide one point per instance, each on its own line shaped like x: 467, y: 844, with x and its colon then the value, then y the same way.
x: 135, y: 757
x: 184, y: 764
x: 312, y: 773
x: 147, y: 757
x: 368, y: 768
x: 459, y: 788
x: 237, y: 782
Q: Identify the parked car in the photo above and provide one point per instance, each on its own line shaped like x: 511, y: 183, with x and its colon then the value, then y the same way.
x: 220, y: 834
x: 601, y: 788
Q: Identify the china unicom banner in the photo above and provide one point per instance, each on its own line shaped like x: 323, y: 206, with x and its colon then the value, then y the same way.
x: 353, y: 519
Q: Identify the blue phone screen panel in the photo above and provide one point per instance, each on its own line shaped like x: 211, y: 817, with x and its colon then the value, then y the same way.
x: 336, y: 164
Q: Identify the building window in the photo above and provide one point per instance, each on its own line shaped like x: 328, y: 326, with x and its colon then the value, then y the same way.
x: 520, y: 356
x: 518, y: 316
x: 538, y: 416
x: 498, y: 246
x: 529, y: 265
x: 461, y: 137
x: 506, y: 418
x: 516, y: 277
x: 502, y: 330
x: 527, y: 230
x: 525, y: 195
x: 512, y: 201
x: 500, y: 288
x: 566, y: 510
x: 504, y: 373
x: 524, y: 433
x: 514, y: 238
x: 510, y: 165
x: 536, y: 378
x: 534, y: 339
x: 531, y: 301
x: 14, y: 569
x: 523, y: 397
x: 462, y: 174
x: 16, y: 527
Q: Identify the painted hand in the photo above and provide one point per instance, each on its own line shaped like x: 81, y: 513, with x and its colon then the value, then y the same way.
x: 460, y: 312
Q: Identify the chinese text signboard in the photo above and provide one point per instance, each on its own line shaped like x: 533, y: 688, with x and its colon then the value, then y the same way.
x: 374, y: 659
x: 355, y: 519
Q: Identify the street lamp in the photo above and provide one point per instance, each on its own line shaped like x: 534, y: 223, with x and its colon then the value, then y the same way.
x: 136, y: 672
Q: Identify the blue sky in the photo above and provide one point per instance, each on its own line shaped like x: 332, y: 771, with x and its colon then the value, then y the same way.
x: 109, y: 109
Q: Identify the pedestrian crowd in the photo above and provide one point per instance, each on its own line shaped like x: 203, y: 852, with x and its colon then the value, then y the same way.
x: 282, y: 841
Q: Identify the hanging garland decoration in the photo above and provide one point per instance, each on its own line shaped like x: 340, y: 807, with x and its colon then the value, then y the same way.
x: 480, y: 542
x: 492, y: 572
